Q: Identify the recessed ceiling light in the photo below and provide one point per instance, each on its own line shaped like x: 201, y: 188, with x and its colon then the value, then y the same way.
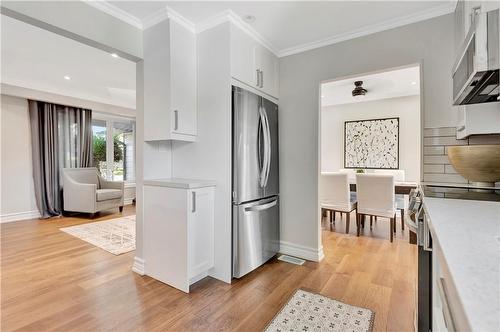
x: 413, y: 83
x: 249, y: 18
x: 322, y: 96
x: 66, y: 77
x: 114, y: 55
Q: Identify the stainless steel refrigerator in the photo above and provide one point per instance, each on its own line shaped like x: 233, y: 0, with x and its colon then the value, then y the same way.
x: 255, y: 181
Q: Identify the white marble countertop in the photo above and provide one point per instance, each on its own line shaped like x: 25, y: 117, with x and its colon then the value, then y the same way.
x: 468, y: 234
x: 179, y: 183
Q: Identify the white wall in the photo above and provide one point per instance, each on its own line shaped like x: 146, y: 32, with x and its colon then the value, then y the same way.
x: 17, y: 193
x: 429, y: 43
x: 407, y: 109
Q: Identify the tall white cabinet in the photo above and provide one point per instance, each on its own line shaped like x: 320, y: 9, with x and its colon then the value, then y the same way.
x: 169, y: 82
x: 178, y: 230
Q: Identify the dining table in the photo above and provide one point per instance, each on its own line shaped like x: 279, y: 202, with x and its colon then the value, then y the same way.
x: 400, y: 187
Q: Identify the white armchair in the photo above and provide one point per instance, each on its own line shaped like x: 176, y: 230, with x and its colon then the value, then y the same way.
x: 85, y: 191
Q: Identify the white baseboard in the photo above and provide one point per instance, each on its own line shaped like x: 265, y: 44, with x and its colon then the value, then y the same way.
x: 197, y: 277
x: 296, y: 250
x: 138, y: 266
x: 9, y: 217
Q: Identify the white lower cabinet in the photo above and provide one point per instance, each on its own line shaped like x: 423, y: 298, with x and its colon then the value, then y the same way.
x: 179, y: 233
x: 447, y: 310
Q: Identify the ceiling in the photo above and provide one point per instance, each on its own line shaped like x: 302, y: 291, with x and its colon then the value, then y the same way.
x: 38, y: 59
x: 294, y: 26
x: 389, y: 84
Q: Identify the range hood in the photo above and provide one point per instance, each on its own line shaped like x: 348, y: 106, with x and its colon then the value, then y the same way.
x: 476, y: 71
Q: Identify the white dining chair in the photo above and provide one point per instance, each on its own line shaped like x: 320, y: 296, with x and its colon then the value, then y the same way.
x: 375, y: 197
x: 335, y: 195
x: 401, y: 200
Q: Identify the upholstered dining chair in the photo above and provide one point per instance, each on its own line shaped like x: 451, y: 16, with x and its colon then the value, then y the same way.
x: 335, y: 195
x: 401, y: 200
x: 375, y: 197
x: 84, y: 190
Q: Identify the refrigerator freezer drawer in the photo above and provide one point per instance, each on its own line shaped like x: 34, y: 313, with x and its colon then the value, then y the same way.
x: 255, y: 234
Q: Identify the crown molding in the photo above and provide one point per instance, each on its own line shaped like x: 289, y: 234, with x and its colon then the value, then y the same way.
x: 230, y: 16
x: 171, y: 14
x: 386, y: 25
x: 108, y: 8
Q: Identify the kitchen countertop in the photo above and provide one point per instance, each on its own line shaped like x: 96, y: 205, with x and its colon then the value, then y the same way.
x: 179, y: 183
x: 468, y: 233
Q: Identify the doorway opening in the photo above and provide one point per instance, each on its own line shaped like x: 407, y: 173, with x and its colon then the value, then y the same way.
x: 369, y: 123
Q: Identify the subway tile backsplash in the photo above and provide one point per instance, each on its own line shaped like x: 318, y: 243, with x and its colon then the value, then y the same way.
x: 436, y: 166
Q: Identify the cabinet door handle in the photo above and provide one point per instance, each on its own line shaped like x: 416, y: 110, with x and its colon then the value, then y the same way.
x: 261, y: 79
x: 193, y: 201
x: 176, y: 119
x: 257, y: 75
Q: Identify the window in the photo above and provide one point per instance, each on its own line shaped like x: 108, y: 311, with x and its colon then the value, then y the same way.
x: 99, y: 145
x: 124, y: 139
x: 114, y: 147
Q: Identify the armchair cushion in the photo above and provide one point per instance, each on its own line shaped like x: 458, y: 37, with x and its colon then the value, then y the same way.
x: 107, y: 194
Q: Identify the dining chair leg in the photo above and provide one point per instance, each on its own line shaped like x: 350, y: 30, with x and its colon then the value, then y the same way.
x: 333, y: 215
x: 363, y: 218
x: 357, y: 223
x: 392, y: 233
x: 347, y: 222
x: 371, y: 222
x: 394, y: 227
x: 402, y: 219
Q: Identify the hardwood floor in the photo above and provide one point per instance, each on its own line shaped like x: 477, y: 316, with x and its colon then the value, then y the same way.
x: 53, y: 281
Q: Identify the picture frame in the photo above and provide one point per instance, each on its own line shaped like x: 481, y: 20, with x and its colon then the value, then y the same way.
x: 371, y: 144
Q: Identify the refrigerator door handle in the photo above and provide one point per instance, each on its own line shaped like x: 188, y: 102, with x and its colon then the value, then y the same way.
x: 265, y: 164
x: 268, y: 130
x: 261, y: 207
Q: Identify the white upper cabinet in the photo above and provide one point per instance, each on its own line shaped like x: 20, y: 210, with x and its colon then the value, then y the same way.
x: 169, y: 82
x: 243, y: 57
x: 267, y: 63
x: 253, y: 64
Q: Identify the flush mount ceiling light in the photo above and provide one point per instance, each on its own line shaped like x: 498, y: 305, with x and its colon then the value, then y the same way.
x: 249, y: 18
x: 66, y: 77
x: 114, y: 55
x: 359, y: 91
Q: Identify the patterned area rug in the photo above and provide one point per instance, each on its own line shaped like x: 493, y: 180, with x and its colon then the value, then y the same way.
x: 116, y: 235
x: 307, y: 311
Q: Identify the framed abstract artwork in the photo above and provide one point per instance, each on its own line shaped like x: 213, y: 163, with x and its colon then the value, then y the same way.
x: 371, y: 144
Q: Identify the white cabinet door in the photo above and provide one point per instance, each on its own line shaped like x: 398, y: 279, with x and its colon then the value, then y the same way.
x: 201, y: 232
x: 165, y: 234
x: 267, y: 63
x: 243, y: 66
x: 183, y: 79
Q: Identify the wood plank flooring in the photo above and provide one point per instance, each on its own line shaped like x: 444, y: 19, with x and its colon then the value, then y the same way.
x: 52, y: 281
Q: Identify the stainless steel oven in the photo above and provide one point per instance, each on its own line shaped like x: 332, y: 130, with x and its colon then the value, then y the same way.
x: 417, y: 223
